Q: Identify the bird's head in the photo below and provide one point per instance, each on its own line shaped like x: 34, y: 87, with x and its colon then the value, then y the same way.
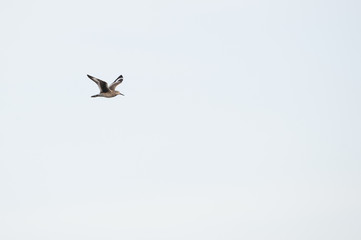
x: 119, y: 93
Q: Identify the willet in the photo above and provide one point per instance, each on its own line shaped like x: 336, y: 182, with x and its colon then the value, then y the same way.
x: 106, y: 91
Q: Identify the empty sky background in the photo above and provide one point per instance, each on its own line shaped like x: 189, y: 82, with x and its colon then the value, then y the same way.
x: 240, y: 120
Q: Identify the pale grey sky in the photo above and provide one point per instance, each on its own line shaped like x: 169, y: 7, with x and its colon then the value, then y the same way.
x: 240, y: 120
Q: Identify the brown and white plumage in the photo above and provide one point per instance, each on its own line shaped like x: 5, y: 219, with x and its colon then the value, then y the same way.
x: 106, y: 91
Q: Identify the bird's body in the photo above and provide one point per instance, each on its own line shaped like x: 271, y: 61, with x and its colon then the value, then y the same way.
x: 106, y: 91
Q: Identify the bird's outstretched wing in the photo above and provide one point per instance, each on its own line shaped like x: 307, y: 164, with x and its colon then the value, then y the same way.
x: 117, y: 81
x: 103, y: 86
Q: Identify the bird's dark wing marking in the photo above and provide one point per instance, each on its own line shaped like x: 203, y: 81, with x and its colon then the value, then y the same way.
x: 117, y: 81
x: 103, y: 86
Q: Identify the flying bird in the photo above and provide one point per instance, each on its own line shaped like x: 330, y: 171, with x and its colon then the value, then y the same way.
x: 106, y: 91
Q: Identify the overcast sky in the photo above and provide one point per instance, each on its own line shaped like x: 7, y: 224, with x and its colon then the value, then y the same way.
x: 240, y: 120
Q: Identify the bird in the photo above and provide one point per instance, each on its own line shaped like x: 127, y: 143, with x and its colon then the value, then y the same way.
x: 106, y: 91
